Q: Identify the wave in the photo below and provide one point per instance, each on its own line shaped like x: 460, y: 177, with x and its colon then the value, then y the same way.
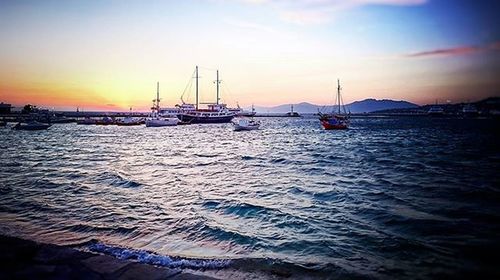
x: 116, y: 179
x: 147, y: 257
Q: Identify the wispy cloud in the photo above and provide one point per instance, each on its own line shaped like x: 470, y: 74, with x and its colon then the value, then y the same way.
x: 459, y: 50
x: 305, y: 12
x: 249, y: 25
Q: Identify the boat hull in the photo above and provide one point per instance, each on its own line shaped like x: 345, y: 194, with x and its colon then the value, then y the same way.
x: 334, y: 122
x: 328, y: 126
x: 31, y: 128
x: 245, y: 128
x: 161, y: 123
x: 200, y: 119
x: 128, y: 124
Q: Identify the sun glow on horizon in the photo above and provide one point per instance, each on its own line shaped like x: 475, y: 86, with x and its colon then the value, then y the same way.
x: 108, y: 55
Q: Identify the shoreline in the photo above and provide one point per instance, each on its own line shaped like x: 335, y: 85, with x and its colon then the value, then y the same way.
x: 26, y: 259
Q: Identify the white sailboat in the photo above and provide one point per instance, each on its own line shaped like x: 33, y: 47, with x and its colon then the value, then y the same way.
x: 156, y: 119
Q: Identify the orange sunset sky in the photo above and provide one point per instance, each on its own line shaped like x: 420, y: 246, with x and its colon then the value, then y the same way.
x: 108, y: 55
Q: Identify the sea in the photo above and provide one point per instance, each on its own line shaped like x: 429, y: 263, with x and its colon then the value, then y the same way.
x: 390, y: 198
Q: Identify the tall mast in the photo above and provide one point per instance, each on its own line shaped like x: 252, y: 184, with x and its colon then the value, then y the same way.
x: 338, y: 93
x: 196, y: 87
x: 157, y: 96
x: 217, y: 81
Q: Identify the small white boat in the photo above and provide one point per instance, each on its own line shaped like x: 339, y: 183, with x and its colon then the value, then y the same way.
x: 129, y: 121
x: 86, y: 121
x: 156, y: 119
x: 161, y: 121
x: 241, y: 124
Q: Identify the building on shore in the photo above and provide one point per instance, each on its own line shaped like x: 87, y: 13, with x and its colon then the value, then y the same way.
x: 5, y: 108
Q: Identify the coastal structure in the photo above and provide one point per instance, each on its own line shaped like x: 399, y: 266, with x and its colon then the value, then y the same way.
x: 5, y: 108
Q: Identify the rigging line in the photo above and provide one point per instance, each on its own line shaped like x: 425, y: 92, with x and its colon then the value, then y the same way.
x: 189, y: 83
x: 336, y: 102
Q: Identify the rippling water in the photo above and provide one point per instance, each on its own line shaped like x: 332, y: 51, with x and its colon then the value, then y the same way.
x: 391, y: 197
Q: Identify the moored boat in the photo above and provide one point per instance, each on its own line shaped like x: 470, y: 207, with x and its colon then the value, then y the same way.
x: 128, y: 121
x: 216, y: 112
x: 240, y: 112
x: 470, y: 111
x: 31, y: 125
x: 86, y: 121
x: 105, y: 121
x: 242, y: 124
x: 435, y: 111
x: 156, y: 119
x: 336, y: 120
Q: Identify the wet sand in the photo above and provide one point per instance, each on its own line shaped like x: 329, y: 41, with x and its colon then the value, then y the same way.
x: 24, y: 259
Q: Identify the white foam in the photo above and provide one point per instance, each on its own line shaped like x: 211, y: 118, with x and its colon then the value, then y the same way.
x: 160, y: 260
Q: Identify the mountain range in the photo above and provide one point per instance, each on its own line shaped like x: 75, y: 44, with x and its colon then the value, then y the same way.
x: 363, y: 106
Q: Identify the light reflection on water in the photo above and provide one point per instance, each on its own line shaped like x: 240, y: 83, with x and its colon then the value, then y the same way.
x: 389, y: 196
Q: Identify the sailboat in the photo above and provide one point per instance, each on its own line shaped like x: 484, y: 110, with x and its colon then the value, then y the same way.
x: 336, y: 120
x: 240, y: 112
x: 436, y: 110
x: 129, y: 120
x: 157, y: 120
x: 216, y: 112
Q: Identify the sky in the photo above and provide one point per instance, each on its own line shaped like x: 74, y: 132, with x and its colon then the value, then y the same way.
x: 109, y: 54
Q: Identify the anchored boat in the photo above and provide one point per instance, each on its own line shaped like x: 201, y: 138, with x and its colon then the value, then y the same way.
x: 216, y: 112
x: 336, y: 120
x: 241, y: 124
x: 129, y: 121
x: 156, y: 119
x: 31, y: 125
x: 86, y: 121
x: 240, y: 112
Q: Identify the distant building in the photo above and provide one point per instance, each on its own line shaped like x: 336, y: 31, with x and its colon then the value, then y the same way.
x: 5, y: 108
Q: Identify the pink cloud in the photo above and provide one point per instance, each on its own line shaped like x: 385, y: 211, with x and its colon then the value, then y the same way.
x: 323, y: 11
x: 460, y: 50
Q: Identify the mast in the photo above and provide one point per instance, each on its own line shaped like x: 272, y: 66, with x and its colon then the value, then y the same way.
x: 217, y: 81
x: 157, y: 96
x: 196, y: 87
x: 338, y: 93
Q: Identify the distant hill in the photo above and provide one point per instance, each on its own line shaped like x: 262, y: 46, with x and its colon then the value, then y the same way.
x: 364, y: 106
x: 488, y: 106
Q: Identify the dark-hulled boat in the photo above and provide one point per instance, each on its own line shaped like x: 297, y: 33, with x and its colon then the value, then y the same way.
x: 86, y: 121
x: 335, y: 120
x: 31, y: 125
x: 216, y: 113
